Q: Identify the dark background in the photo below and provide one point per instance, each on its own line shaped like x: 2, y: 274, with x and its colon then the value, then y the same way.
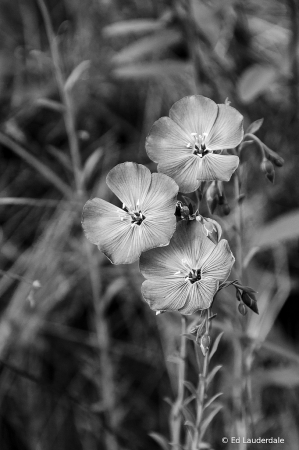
x: 82, y: 358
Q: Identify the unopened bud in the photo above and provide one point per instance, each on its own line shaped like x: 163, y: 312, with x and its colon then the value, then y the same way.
x: 268, y: 169
x: 205, y: 344
x: 250, y: 301
x: 242, y: 309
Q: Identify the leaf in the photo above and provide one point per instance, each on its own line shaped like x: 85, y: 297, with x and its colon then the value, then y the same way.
x: 191, y: 388
x: 149, y: 45
x: 212, y: 374
x: 160, y: 440
x: 153, y: 69
x: 126, y: 27
x: 209, y: 402
x: 254, y: 81
x: 188, y: 400
x: 91, y: 163
x: 76, y: 74
x: 215, y: 345
x: 50, y: 104
x: 255, y: 126
x: 273, y: 233
x: 209, y: 419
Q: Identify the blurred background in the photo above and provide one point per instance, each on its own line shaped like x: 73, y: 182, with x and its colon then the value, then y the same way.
x: 82, y: 358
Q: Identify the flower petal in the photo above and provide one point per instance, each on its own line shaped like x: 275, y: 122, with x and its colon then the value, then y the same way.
x: 188, y: 248
x: 219, y: 263
x: 184, y: 170
x: 159, y: 211
x: 167, y: 140
x: 130, y: 182
x: 116, y: 238
x: 200, y: 296
x: 227, y: 131
x: 218, y: 167
x: 195, y: 114
x: 165, y: 294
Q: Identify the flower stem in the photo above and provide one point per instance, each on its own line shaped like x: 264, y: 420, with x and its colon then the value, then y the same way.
x: 201, y: 389
x: 176, y: 410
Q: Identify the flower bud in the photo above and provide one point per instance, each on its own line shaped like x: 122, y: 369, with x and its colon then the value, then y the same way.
x: 205, y: 344
x: 268, y: 169
x: 242, y: 309
x: 250, y: 301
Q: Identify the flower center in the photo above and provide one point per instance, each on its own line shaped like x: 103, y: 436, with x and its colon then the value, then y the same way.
x: 194, y: 275
x: 136, y: 216
x: 198, y: 145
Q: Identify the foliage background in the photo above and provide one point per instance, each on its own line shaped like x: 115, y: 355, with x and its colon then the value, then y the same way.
x: 82, y: 358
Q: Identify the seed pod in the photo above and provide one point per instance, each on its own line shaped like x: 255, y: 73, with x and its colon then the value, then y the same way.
x: 242, y: 309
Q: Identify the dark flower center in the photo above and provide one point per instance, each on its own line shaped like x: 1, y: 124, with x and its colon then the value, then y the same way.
x: 194, y: 275
x: 137, y: 218
x: 200, y: 150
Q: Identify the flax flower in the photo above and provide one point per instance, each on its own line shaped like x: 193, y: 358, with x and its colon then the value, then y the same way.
x: 146, y: 219
x: 185, y: 276
x: 188, y: 145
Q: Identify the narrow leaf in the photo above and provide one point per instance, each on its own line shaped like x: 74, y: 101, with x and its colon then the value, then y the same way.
x: 209, y: 402
x: 215, y: 345
x: 76, y: 74
x: 212, y: 374
x: 160, y: 440
x: 209, y: 419
x: 191, y: 388
x: 255, y: 126
x: 50, y: 104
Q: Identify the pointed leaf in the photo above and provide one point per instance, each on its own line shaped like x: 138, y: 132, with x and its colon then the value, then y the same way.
x: 212, y: 374
x: 215, y: 345
x: 209, y: 419
x: 76, y: 74
x: 255, y: 126
x: 191, y: 388
x: 161, y: 440
x: 209, y: 402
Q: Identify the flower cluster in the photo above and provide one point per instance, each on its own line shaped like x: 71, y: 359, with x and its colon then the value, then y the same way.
x: 182, y: 256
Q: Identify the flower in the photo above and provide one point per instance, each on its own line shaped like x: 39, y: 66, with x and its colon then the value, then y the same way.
x: 185, y: 276
x: 184, y: 143
x: 146, y: 219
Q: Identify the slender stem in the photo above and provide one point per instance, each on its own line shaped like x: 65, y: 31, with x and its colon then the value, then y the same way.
x: 68, y: 115
x: 176, y: 411
x: 238, y: 226
x: 201, y: 390
x: 107, y: 372
x: 238, y: 404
